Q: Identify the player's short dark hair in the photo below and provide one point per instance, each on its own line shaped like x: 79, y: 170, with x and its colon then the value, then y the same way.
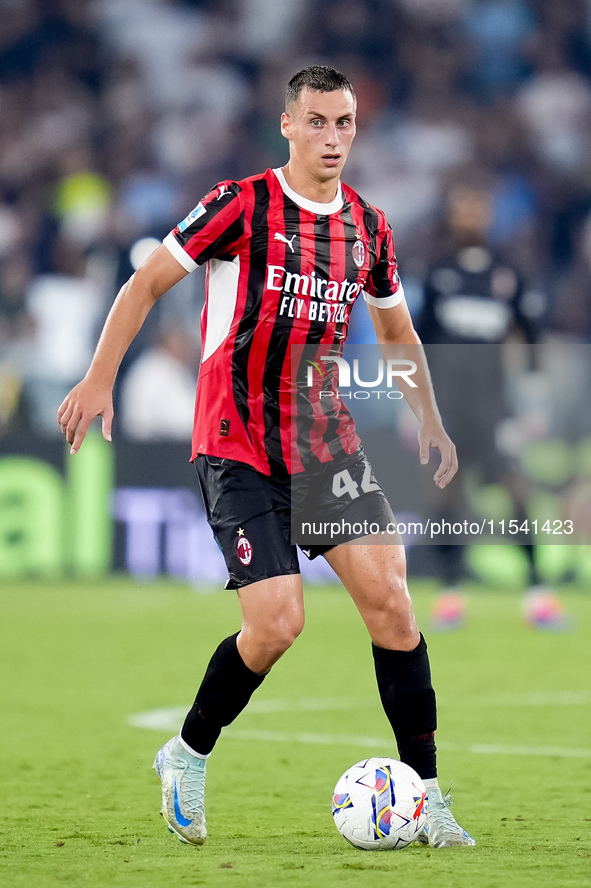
x: 320, y: 78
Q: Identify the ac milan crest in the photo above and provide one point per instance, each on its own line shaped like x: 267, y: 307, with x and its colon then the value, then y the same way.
x: 358, y: 253
x: 243, y: 548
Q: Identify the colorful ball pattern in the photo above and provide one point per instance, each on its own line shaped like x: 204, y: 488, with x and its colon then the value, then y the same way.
x: 380, y: 804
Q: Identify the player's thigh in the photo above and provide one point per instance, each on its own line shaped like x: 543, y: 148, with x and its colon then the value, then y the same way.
x: 375, y: 577
x: 273, y: 608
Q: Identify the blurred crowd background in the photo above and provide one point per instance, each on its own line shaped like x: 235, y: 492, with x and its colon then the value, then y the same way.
x: 116, y: 116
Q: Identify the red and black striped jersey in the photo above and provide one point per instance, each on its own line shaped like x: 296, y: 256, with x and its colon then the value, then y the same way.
x: 283, y: 272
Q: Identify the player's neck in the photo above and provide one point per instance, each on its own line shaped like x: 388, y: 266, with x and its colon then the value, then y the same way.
x: 306, y: 186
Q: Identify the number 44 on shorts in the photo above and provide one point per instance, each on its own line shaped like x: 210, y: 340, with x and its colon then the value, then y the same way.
x: 343, y: 483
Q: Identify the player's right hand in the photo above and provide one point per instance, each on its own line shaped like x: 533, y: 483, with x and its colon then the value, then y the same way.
x: 79, y: 408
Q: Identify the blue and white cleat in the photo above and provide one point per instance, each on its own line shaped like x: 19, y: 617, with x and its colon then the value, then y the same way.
x: 182, y: 775
x: 441, y: 829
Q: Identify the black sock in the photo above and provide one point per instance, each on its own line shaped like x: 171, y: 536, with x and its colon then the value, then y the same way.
x: 408, y: 698
x: 227, y: 686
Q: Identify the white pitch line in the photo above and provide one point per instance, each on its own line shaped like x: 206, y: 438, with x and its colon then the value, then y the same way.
x: 386, y: 743
x: 532, y: 698
x: 309, y: 738
x: 311, y: 704
x: 502, y: 749
x: 171, y: 718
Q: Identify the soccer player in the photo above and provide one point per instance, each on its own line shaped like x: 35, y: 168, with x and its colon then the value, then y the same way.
x: 288, y: 252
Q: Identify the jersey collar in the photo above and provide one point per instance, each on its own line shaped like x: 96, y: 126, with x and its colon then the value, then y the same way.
x: 321, y: 209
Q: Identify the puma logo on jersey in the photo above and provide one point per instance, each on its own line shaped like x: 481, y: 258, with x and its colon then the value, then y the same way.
x: 223, y: 190
x: 283, y: 239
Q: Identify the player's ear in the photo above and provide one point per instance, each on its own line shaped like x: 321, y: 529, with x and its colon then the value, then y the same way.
x: 286, y: 125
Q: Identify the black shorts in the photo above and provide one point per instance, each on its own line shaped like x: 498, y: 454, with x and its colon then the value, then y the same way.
x: 257, y: 520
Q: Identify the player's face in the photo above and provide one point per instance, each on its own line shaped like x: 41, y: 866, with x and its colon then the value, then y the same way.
x: 320, y: 128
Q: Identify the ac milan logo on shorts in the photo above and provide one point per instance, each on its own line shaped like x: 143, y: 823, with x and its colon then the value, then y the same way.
x: 243, y: 548
x: 358, y: 253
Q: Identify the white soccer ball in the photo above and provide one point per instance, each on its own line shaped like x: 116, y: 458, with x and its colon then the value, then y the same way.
x: 380, y: 804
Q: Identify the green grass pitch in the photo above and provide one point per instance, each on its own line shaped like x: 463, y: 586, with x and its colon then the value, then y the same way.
x: 80, y: 804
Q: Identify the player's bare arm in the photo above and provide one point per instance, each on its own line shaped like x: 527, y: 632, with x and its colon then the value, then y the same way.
x: 93, y: 395
x: 394, y: 326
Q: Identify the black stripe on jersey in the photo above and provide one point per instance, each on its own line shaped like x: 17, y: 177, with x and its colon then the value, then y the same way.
x: 331, y: 436
x: 278, y: 345
x: 322, y: 249
x: 249, y: 319
x: 350, y: 235
x: 371, y: 221
x: 372, y: 226
x: 213, y: 204
x: 352, y: 272
x: 224, y: 246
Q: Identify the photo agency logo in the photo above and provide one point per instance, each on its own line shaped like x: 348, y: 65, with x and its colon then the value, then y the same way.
x: 382, y: 382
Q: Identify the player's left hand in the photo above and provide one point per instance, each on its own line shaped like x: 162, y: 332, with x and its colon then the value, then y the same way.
x: 432, y: 434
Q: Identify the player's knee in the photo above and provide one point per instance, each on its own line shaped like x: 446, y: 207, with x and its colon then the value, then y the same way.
x: 267, y: 640
x: 284, y: 631
x: 393, y: 619
x: 393, y: 596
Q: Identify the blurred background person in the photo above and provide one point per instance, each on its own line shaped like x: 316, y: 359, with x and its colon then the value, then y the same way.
x: 157, y: 397
x: 474, y: 297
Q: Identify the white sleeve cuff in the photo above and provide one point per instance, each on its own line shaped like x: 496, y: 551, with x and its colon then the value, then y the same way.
x: 181, y: 256
x: 385, y: 301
